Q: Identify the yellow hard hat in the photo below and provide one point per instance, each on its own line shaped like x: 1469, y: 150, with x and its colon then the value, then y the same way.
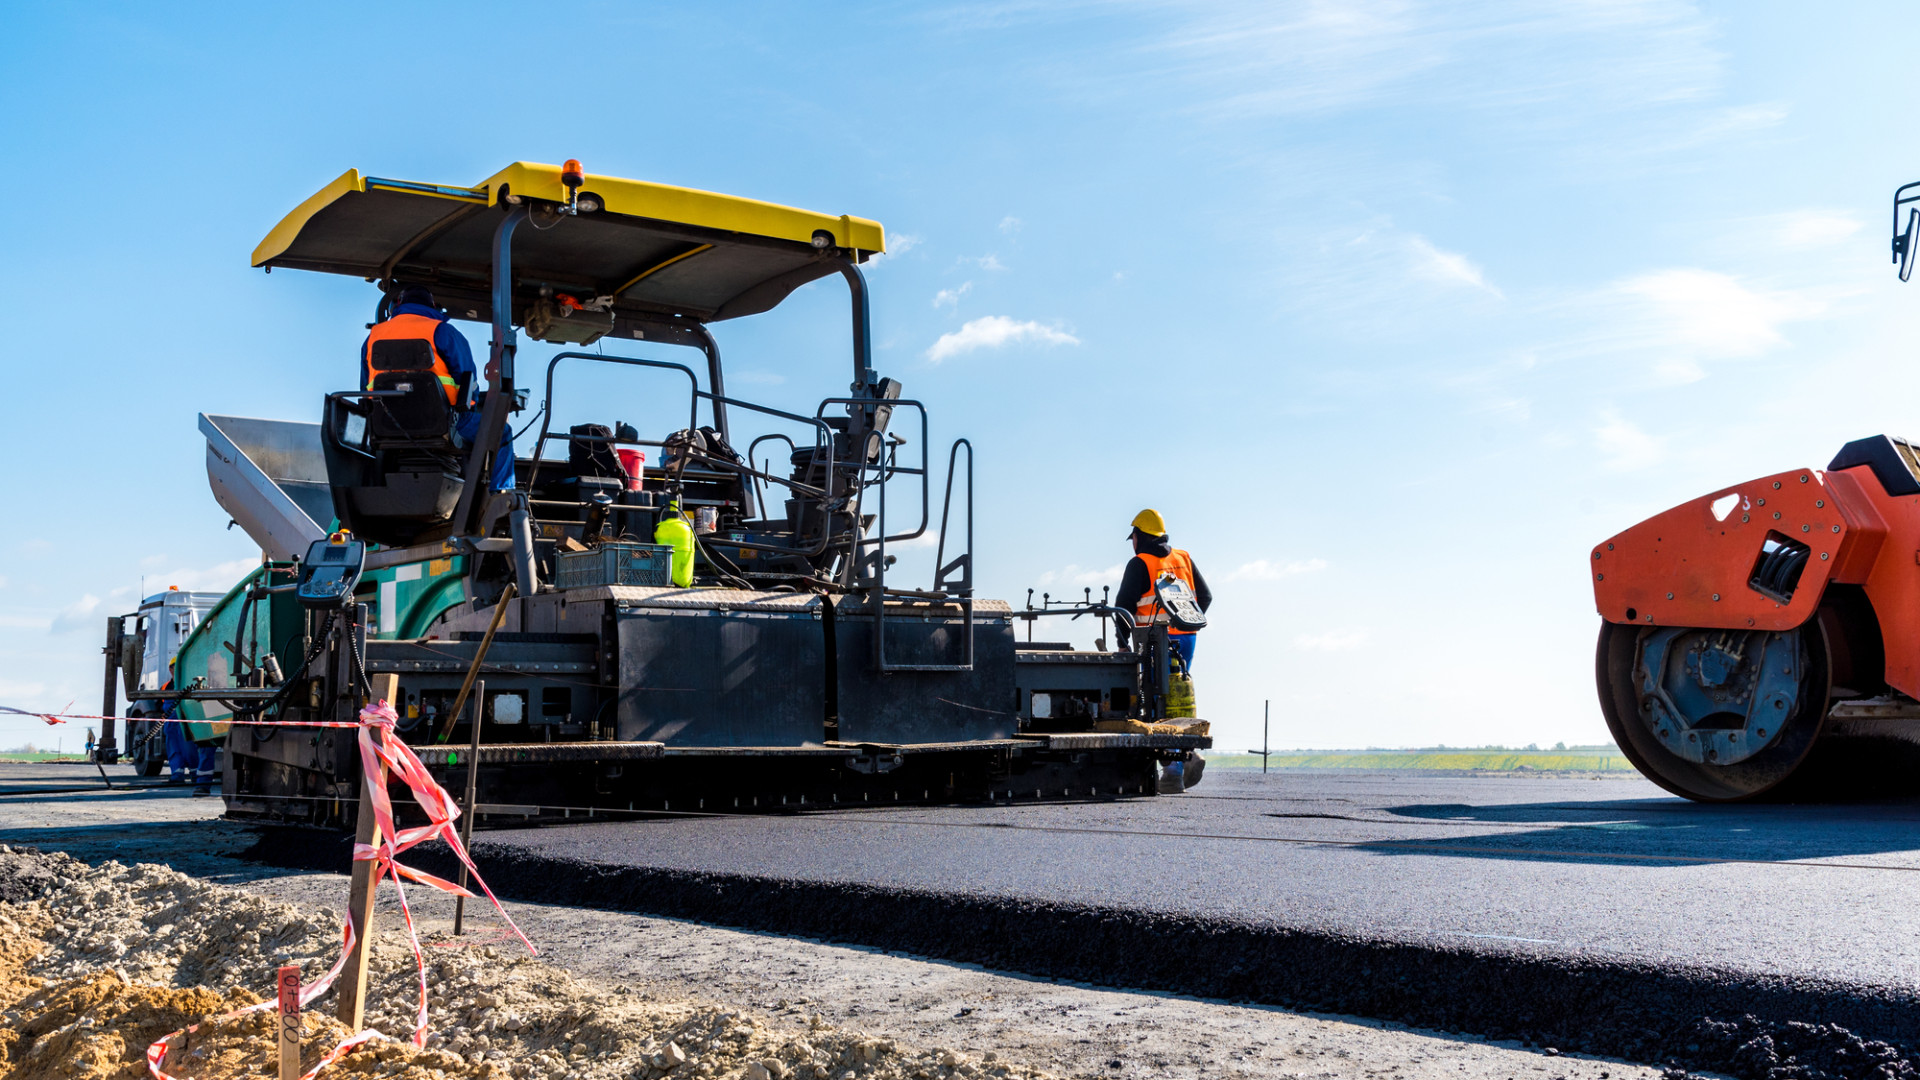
x: 1149, y: 522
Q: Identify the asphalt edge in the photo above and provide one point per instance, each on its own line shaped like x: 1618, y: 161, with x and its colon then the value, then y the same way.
x: 1687, y: 1017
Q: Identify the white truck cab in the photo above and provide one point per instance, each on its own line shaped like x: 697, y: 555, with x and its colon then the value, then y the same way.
x: 166, y: 620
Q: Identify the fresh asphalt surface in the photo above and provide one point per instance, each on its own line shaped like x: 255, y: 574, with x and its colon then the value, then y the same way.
x: 1593, y: 914
x: 1608, y: 866
x: 1611, y: 866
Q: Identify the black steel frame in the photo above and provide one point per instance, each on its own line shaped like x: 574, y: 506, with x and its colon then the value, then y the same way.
x: 1905, y: 242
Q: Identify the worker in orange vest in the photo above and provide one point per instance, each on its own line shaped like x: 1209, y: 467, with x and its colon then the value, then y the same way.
x: 1153, y: 556
x: 416, y: 317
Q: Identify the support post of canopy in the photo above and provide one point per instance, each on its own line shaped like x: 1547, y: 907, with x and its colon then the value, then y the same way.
x: 493, y: 418
x: 863, y: 374
x: 714, y: 381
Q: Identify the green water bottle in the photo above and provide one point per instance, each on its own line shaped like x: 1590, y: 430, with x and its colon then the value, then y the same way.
x: 675, y: 532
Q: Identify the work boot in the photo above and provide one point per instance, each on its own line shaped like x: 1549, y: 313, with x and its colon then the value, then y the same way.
x: 176, y: 780
x: 203, y: 791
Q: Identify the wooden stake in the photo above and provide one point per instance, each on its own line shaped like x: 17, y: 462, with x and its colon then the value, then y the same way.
x: 466, y: 819
x: 288, y: 985
x: 353, y: 979
x: 479, y: 655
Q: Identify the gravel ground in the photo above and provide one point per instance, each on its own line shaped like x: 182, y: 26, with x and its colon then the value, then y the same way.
x: 782, y: 983
x: 125, y: 953
x: 1550, y: 993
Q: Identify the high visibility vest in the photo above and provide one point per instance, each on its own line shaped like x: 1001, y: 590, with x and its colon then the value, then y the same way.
x: 1180, y: 565
x: 412, y: 328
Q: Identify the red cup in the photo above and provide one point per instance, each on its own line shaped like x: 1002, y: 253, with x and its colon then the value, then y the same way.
x: 631, y: 461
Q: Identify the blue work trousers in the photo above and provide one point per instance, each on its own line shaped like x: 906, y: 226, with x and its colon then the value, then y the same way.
x: 186, y: 756
x: 181, y: 753
x: 468, y: 429
x: 203, y: 765
x: 1183, y: 647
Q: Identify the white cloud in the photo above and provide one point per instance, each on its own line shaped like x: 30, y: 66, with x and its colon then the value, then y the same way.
x: 77, y: 615
x: 1331, y: 640
x: 992, y: 332
x: 1624, y: 445
x: 1715, y: 315
x: 23, y: 622
x: 1075, y: 575
x: 1678, y: 371
x: 1737, y: 120
x: 1265, y: 57
x: 1446, y: 267
x: 1010, y: 224
x: 14, y: 691
x: 897, y: 245
x: 1348, y: 272
x: 1514, y: 409
x: 930, y: 538
x: 951, y: 297
x: 1812, y: 229
x: 985, y: 262
x: 1266, y: 570
x: 217, y: 578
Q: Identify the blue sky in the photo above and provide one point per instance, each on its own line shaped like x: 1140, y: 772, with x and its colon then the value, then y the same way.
x: 1392, y: 308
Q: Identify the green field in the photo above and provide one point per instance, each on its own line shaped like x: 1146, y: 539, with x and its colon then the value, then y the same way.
x: 15, y: 757
x: 1466, y: 759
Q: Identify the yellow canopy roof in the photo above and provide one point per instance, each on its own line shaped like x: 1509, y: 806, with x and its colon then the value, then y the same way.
x: 654, y: 248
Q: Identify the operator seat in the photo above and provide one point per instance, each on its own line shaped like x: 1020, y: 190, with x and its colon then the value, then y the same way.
x: 393, y: 464
x: 807, y: 516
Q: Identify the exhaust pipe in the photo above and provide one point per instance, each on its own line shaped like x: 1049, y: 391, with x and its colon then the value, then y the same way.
x: 526, y: 572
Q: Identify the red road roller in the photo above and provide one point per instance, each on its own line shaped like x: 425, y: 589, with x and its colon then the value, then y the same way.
x: 1758, y: 639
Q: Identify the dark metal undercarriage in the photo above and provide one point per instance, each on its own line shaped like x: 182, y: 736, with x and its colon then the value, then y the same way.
x: 628, y: 700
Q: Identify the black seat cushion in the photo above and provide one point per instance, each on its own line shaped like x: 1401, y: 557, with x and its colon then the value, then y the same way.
x: 421, y: 412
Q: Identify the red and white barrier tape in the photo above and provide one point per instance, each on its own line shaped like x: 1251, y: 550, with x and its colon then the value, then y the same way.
x: 53, y: 718
x: 398, y: 758
x: 64, y: 717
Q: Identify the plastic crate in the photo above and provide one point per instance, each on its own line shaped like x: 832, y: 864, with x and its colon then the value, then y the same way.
x: 614, y: 564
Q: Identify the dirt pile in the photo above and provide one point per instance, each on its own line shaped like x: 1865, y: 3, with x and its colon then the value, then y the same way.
x: 99, y: 1027
x: 97, y: 962
x: 1793, y: 1051
x: 159, y: 927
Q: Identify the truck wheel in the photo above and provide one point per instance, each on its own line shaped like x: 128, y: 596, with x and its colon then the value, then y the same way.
x: 145, y: 747
x: 1714, y: 715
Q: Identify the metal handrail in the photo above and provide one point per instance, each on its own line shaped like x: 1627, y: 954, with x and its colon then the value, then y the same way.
x: 882, y: 470
x: 824, y: 434
x: 546, y: 421
x: 792, y: 448
x: 823, y: 437
x: 886, y: 470
x: 965, y: 562
x: 963, y: 590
